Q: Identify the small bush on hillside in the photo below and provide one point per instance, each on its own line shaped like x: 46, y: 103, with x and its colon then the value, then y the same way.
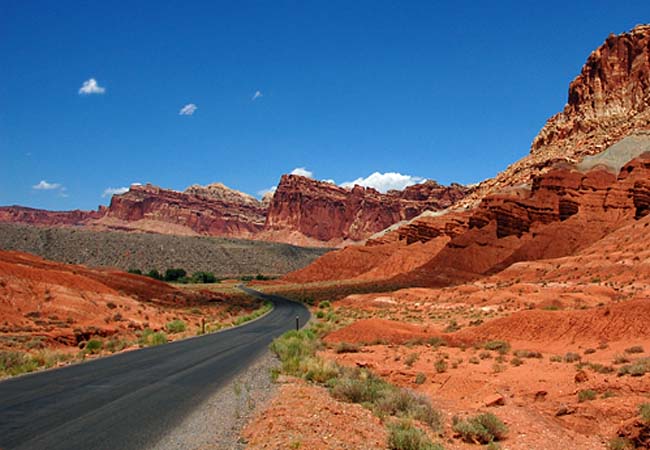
x: 483, y: 428
x: 14, y: 363
x: 586, y: 394
x: 346, y: 347
x: 135, y: 271
x: 572, y: 357
x: 175, y: 274
x: 411, y: 359
x: 637, y: 369
x: 176, y: 326
x: 644, y: 411
x: 527, y: 354
x: 154, y: 274
x: 203, y: 277
x: 619, y: 443
x: 324, y: 304
x: 499, y: 346
x: 420, y: 378
x: 93, y: 346
x: 402, y: 435
x: 634, y: 349
x: 441, y: 365
x: 149, y: 338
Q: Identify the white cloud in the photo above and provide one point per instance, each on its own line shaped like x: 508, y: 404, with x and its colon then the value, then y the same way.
x: 90, y: 86
x: 302, y: 172
x: 263, y: 192
x: 385, y: 181
x: 188, y: 109
x: 110, y: 191
x: 257, y: 95
x: 45, y: 186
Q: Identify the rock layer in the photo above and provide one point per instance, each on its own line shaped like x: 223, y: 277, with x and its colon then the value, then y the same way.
x: 608, y: 100
x: 327, y: 212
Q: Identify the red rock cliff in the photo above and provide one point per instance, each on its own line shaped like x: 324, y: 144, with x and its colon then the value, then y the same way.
x: 21, y: 214
x: 212, y: 210
x: 607, y: 101
x: 327, y: 212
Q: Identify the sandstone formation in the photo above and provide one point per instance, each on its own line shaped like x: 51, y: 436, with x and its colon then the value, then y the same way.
x: 21, y: 214
x: 609, y: 100
x: 302, y: 211
x: 326, y: 212
x: 213, y: 210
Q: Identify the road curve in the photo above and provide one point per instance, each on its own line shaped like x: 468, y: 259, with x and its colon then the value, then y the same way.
x: 129, y: 400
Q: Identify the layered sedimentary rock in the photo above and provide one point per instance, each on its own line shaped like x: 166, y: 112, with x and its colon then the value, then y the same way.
x: 21, y: 214
x: 326, y: 212
x: 212, y: 210
x: 608, y: 100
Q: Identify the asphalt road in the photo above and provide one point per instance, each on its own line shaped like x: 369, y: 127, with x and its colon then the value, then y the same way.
x: 128, y: 401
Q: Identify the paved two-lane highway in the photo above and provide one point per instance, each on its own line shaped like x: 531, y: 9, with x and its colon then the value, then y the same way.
x: 129, y: 400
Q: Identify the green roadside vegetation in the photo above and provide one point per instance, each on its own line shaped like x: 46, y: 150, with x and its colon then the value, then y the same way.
x: 404, y: 411
x: 14, y: 363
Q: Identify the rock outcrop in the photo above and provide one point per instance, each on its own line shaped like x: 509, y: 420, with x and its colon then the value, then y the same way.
x: 608, y: 100
x: 326, y: 212
x: 213, y: 210
x: 21, y: 214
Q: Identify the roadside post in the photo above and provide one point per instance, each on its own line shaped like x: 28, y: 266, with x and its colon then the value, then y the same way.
x: 297, y: 323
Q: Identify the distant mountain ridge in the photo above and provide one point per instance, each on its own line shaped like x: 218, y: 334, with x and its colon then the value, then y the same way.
x: 302, y: 211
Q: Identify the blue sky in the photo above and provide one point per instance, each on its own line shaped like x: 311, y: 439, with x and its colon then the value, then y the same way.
x: 452, y: 91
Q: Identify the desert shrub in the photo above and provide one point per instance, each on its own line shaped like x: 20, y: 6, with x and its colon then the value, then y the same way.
x: 319, y: 370
x: 600, y: 368
x: 174, y: 274
x: 320, y: 314
x: 407, y: 404
x: 441, y: 365
x: 93, y: 346
x: 483, y: 428
x: 411, y: 359
x: 402, y: 435
x: 115, y: 345
x: 135, y: 271
x: 176, y: 326
x: 474, y: 360
x: 621, y: 359
x: 634, y: 349
x: 572, y: 357
x: 359, y: 387
x: 420, y: 378
x: 499, y: 346
x: 111, y: 305
x: 590, y: 351
x: 527, y: 354
x: 324, y: 304
x: 153, y: 273
x: 619, y: 443
x: 555, y: 358
x: 644, y: 411
x: 516, y: 361
x: 203, y: 277
x: 452, y: 326
x: 149, y: 338
x: 346, y: 347
x: 14, y: 363
x: 293, y: 347
x: 637, y: 369
x: 586, y: 394
x: 485, y: 355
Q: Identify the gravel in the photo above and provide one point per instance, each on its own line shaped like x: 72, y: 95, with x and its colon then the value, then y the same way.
x: 217, y: 422
x: 224, y: 257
